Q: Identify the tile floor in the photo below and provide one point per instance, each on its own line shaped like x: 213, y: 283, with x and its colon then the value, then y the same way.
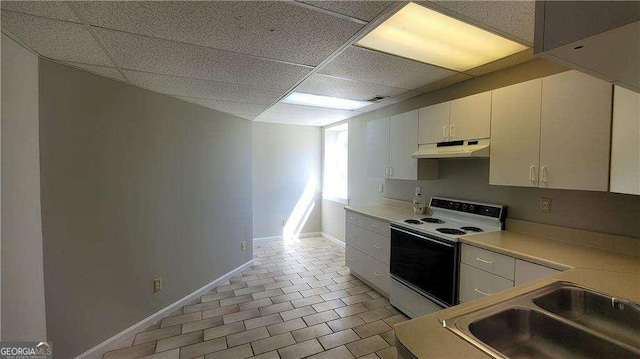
x: 298, y: 300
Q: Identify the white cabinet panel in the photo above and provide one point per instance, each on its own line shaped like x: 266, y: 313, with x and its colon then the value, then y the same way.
x: 575, y: 132
x: 355, y: 218
x: 476, y: 283
x: 489, y: 261
x: 370, y: 269
x: 515, y: 134
x: 380, y: 227
x: 403, y: 142
x: 470, y: 117
x: 527, y: 272
x: 625, y: 142
x: 433, y: 123
x: 377, y: 148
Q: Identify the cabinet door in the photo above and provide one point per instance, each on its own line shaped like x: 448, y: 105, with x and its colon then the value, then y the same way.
x: 527, y: 272
x: 625, y: 144
x: 470, y: 117
x: 515, y: 134
x: 403, y: 139
x: 575, y: 132
x: 377, y: 147
x: 433, y: 124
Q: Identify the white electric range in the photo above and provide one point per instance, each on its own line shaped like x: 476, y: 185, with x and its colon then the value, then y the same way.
x: 425, y: 252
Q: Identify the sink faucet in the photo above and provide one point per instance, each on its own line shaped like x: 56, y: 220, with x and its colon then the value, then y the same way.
x: 620, y: 304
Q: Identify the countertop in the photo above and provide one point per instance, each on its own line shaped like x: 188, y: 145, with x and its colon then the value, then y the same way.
x: 605, y: 271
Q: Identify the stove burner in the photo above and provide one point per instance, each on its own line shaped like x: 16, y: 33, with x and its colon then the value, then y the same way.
x: 472, y: 229
x: 449, y: 231
x: 412, y: 221
x: 432, y: 220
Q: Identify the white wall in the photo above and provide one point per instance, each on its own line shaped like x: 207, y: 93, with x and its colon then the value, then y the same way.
x: 23, y: 306
x: 286, y: 161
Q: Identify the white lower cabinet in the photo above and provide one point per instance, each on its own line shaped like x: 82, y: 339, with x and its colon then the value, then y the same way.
x: 484, y: 272
x: 368, y: 250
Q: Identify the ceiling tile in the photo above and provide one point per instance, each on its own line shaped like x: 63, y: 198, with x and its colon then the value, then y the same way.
x: 58, y: 10
x: 59, y: 40
x: 181, y: 86
x: 343, y: 88
x: 149, y: 54
x: 245, y: 116
x: 515, y: 18
x: 404, y: 96
x: 109, y: 72
x: 370, y: 66
x: 227, y: 106
x: 362, y: 10
x: 273, y: 29
x: 303, y: 115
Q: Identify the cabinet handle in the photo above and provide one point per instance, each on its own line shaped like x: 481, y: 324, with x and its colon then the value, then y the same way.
x: 390, y: 171
x: 481, y: 292
x: 352, y: 236
x: 444, y: 131
x: 483, y: 260
x: 532, y: 174
x: 377, y: 274
x: 375, y: 225
x: 451, y: 131
x: 543, y: 173
x: 351, y: 259
x: 377, y: 246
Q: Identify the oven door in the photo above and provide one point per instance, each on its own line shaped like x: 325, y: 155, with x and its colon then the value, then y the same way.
x: 427, y: 263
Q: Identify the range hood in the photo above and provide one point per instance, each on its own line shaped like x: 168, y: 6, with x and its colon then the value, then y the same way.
x: 454, y: 149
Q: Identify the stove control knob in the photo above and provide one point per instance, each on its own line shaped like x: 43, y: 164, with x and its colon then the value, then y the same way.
x: 464, y: 207
x: 434, y: 202
x: 457, y: 205
x: 471, y: 208
x: 450, y: 204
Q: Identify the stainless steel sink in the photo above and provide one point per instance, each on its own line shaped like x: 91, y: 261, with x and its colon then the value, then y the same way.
x: 561, y: 320
x: 611, y: 316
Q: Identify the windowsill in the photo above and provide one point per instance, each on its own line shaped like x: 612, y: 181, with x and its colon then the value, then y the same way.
x: 336, y: 199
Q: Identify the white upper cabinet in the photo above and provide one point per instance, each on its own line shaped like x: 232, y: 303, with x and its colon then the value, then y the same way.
x: 377, y: 150
x: 390, y: 144
x: 467, y: 118
x: 470, y: 117
x: 552, y: 132
x: 403, y: 142
x: 575, y: 132
x: 433, y: 123
x: 515, y: 135
x: 625, y: 142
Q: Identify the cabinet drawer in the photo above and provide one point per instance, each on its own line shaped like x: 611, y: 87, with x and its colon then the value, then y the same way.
x: 355, y: 218
x: 371, y: 243
x: 476, y: 283
x: 372, y: 270
x: 489, y: 261
x: 377, y: 226
x: 527, y: 272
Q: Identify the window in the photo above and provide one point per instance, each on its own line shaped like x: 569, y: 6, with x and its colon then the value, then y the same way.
x: 336, y: 145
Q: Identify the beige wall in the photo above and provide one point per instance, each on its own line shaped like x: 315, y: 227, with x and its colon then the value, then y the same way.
x: 23, y: 306
x: 135, y: 185
x: 286, y: 160
x: 468, y: 179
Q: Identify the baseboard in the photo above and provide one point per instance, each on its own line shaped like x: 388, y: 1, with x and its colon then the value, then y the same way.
x: 115, y: 341
x: 332, y: 239
x: 279, y: 238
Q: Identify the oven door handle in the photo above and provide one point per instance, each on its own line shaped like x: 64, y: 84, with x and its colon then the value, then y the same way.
x: 451, y: 245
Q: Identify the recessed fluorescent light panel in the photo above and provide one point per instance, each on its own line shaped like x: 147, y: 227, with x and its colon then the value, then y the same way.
x: 307, y: 99
x: 418, y: 33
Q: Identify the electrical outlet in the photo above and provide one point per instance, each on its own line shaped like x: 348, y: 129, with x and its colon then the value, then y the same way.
x: 381, y: 188
x: 545, y: 205
x: 418, y: 192
x: 243, y: 245
x: 157, y: 285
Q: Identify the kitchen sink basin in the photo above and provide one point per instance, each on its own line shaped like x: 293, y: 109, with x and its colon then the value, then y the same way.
x: 616, y: 318
x: 561, y: 320
x: 527, y: 333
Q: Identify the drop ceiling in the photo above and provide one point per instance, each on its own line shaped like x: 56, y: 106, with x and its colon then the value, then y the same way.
x: 243, y: 57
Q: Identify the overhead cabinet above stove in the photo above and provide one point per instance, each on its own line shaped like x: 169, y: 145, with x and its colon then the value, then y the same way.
x: 552, y: 132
